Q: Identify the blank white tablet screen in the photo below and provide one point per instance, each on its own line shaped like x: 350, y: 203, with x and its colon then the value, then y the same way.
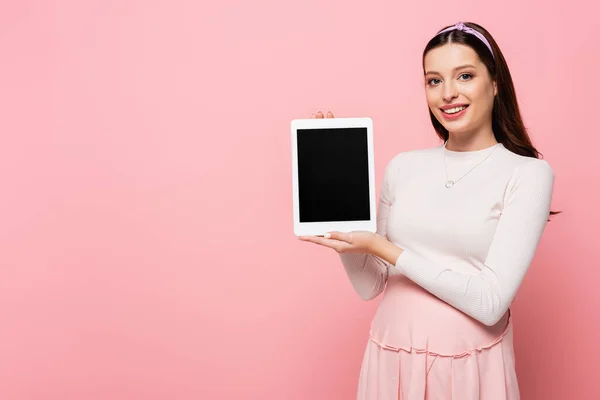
x: 333, y: 174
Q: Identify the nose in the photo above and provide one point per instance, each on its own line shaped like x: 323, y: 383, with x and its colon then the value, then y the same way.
x: 450, y: 91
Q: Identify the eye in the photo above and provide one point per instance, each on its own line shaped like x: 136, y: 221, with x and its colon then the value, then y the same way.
x: 429, y: 82
x: 469, y: 75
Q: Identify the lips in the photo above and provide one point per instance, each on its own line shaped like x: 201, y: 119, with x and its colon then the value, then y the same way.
x: 456, y: 115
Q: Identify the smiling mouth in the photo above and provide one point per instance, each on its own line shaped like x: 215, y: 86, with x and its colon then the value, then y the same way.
x: 454, y: 110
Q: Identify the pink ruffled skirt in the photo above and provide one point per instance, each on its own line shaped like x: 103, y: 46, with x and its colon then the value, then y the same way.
x: 421, y: 348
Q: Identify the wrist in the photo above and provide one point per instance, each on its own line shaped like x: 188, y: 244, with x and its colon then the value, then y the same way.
x: 386, y: 250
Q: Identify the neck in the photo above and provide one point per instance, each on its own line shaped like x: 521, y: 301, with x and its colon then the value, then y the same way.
x: 471, y: 142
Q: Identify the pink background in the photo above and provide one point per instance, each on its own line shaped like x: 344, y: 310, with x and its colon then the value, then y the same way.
x: 146, y: 245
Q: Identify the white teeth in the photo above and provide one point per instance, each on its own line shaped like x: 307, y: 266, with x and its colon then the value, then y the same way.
x: 454, y: 110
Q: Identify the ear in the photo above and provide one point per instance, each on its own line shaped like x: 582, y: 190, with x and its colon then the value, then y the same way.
x: 495, y: 89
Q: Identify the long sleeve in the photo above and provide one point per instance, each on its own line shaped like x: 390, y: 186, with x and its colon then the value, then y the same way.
x: 368, y: 273
x: 487, y: 295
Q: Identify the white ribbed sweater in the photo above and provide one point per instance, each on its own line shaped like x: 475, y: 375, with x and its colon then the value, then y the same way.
x: 469, y: 245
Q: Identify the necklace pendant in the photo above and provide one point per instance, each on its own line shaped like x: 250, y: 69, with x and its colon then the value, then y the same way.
x: 449, y: 184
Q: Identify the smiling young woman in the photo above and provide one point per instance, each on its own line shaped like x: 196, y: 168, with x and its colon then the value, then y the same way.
x: 458, y: 226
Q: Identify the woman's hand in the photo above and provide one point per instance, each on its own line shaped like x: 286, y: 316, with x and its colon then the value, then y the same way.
x: 350, y: 242
x: 358, y: 242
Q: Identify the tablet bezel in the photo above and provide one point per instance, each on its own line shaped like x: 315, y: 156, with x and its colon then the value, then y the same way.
x: 320, y: 228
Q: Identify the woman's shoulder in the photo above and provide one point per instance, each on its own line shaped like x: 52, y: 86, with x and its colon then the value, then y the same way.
x: 528, y: 166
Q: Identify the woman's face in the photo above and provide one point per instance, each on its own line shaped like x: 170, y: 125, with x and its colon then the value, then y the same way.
x: 456, y: 78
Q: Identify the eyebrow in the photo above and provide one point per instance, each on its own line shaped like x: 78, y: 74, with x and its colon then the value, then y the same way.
x: 455, y: 69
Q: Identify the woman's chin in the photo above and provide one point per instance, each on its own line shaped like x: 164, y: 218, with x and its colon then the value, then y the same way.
x: 457, y: 127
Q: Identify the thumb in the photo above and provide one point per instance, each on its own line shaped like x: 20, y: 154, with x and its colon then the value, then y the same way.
x: 337, y: 236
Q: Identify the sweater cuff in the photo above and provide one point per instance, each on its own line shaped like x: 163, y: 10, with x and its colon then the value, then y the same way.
x: 405, y: 260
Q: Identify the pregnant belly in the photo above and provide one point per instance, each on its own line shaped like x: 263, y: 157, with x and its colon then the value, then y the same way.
x: 411, y: 318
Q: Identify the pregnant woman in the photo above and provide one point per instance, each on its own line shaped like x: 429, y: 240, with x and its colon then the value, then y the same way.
x: 457, y: 227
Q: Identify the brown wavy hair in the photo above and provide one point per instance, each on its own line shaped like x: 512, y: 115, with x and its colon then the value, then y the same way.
x: 507, y: 122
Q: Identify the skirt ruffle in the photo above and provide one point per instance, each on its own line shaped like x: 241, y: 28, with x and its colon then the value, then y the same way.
x: 485, y: 373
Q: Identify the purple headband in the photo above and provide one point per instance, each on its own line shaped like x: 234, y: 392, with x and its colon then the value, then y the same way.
x: 462, y: 27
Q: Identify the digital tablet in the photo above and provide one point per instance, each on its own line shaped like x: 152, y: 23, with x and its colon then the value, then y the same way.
x: 333, y: 175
